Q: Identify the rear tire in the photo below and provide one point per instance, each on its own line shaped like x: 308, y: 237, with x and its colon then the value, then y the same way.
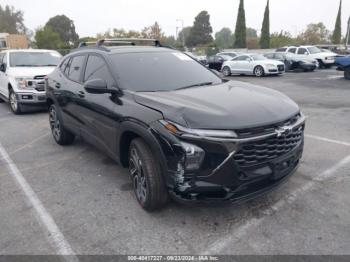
x: 226, y: 71
x: 61, y: 135
x: 347, y: 73
x: 259, y: 71
x: 15, y: 106
x: 148, y: 183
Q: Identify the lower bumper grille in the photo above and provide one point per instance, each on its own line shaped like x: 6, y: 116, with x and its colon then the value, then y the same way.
x: 261, y: 151
x: 281, y: 68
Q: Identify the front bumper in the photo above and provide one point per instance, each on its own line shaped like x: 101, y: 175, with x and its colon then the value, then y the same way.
x: 31, y: 98
x: 227, y: 176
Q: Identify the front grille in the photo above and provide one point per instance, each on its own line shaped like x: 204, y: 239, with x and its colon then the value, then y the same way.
x: 258, y: 152
x: 280, y: 68
x: 263, y: 130
x: 39, y: 84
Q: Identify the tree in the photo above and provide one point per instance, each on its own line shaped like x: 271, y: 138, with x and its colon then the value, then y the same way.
x: 240, y: 32
x: 154, y: 32
x: 201, y: 31
x: 265, y: 30
x: 224, y: 38
x: 336, y: 37
x: 65, y: 27
x: 182, y: 36
x: 315, y: 34
x: 280, y: 39
x: 46, y: 38
x: 11, y: 20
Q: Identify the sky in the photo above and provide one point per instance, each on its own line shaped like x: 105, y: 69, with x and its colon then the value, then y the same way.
x: 91, y: 17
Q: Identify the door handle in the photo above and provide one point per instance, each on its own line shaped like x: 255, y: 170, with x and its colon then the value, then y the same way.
x: 81, y: 94
x: 58, y: 85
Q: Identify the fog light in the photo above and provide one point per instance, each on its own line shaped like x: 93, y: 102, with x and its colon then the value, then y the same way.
x: 194, y: 156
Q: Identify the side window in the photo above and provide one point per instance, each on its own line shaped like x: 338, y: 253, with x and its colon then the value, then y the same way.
x: 219, y: 59
x: 4, y: 59
x: 75, y: 67
x: 96, y: 68
x: 281, y: 49
x: 292, y: 50
x: 241, y: 58
x: 302, y: 51
x: 64, y: 64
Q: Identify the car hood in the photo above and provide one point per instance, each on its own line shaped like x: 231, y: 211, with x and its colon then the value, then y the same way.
x: 30, y: 71
x: 231, y: 105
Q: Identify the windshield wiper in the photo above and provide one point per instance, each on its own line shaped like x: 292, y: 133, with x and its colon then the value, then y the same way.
x: 195, y: 85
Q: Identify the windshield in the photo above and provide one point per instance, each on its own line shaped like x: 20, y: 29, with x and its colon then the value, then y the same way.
x: 34, y: 59
x: 160, y: 71
x: 314, y: 50
x: 258, y: 57
x: 226, y: 57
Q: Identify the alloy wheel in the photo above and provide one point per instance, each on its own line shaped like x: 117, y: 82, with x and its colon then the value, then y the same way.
x: 259, y: 71
x: 226, y: 71
x: 138, y: 177
x: 13, y: 101
x: 55, y: 124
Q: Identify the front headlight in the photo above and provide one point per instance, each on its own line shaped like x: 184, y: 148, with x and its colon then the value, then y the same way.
x: 270, y: 66
x: 200, y: 133
x: 23, y: 83
x: 194, y: 156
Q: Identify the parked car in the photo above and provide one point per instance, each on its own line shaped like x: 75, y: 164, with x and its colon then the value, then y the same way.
x: 325, y: 59
x: 22, y: 74
x: 179, y: 128
x: 343, y: 64
x: 216, y: 61
x: 252, y: 64
x: 293, y: 62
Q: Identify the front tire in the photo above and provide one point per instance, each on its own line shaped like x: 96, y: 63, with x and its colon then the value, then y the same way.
x: 226, y: 71
x: 61, y: 135
x: 259, y: 71
x: 14, y: 104
x: 149, y: 187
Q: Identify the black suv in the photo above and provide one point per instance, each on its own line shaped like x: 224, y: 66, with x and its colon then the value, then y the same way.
x: 183, y: 131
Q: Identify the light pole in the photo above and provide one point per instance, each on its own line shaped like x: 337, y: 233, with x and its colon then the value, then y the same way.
x: 183, y: 36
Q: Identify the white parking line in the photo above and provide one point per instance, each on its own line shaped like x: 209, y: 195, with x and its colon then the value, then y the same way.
x: 324, y: 139
x: 55, y: 236
x: 224, y: 243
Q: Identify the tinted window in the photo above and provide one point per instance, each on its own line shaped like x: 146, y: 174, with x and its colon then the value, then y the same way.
x: 281, y: 49
x: 292, y: 50
x: 96, y: 68
x: 75, y: 67
x: 302, y: 51
x: 64, y: 64
x: 159, y: 71
x: 18, y: 59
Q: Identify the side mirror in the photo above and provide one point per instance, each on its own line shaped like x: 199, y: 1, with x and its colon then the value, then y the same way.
x: 306, y: 53
x: 3, y: 68
x: 98, y: 86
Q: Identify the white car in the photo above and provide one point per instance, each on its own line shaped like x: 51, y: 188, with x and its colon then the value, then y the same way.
x: 324, y: 58
x: 22, y: 74
x: 252, y: 64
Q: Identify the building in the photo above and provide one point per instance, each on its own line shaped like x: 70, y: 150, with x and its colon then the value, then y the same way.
x: 13, y: 41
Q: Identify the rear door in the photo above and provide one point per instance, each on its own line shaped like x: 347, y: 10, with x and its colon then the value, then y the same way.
x: 67, y: 85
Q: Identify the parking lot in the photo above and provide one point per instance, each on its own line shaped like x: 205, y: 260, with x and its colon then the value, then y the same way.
x: 75, y: 200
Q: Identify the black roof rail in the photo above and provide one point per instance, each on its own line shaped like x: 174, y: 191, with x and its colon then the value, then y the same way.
x: 108, y: 42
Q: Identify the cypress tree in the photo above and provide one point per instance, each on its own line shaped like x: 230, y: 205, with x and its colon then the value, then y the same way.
x: 265, y: 30
x: 337, y: 30
x: 240, y: 32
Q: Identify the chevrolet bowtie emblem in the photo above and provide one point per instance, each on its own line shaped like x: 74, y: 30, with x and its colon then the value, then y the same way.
x: 284, y: 130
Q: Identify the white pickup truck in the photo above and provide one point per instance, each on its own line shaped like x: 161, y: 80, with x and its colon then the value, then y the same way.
x: 22, y: 74
x: 325, y: 59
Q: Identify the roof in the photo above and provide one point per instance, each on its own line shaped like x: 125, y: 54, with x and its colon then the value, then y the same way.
x: 124, y: 49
